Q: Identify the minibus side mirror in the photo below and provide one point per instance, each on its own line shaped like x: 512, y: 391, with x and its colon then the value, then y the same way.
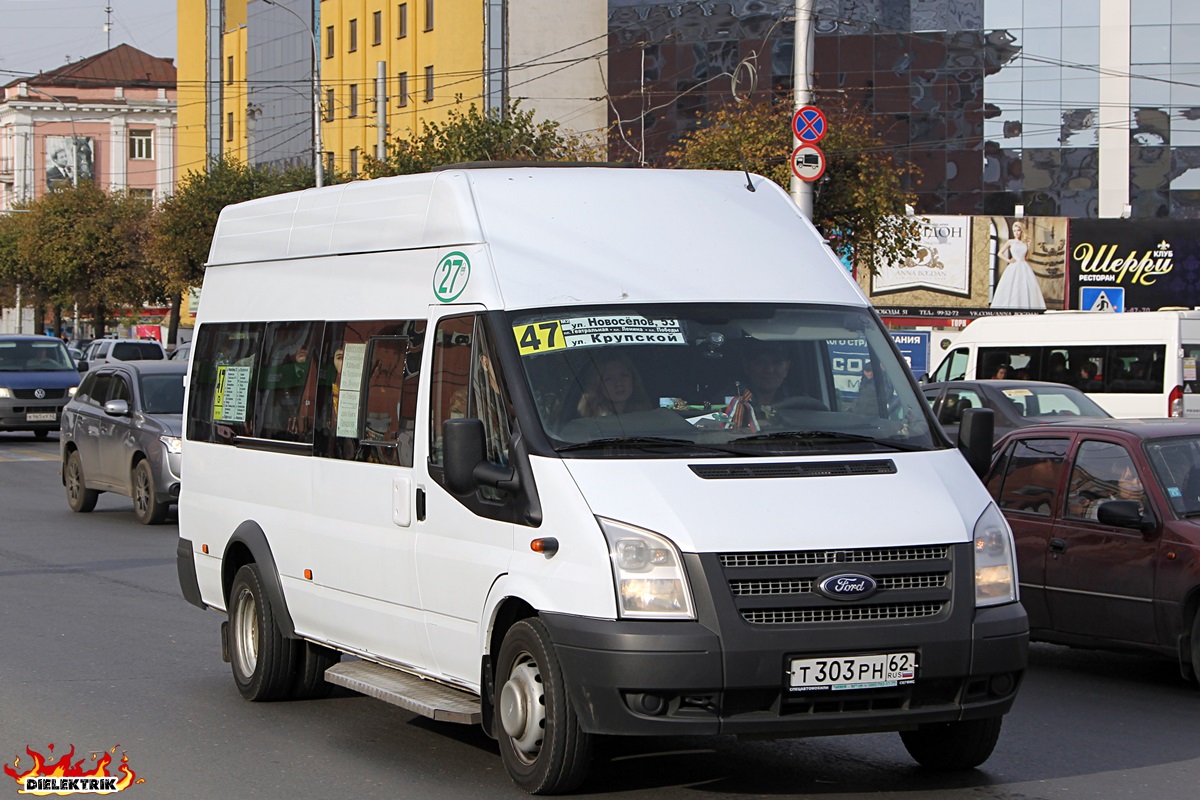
x: 465, y: 459
x: 975, y: 433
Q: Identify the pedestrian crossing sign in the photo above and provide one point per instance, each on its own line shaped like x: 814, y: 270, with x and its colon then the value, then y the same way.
x: 1106, y: 298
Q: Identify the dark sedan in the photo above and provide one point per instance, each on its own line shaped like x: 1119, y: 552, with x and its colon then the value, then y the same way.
x: 1106, y: 520
x: 1018, y: 404
x: 121, y: 433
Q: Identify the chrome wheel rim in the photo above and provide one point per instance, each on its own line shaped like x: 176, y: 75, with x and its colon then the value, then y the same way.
x: 523, y: 708
x: 141, y: 492
x: 245, y: 631
x: 73, y: 480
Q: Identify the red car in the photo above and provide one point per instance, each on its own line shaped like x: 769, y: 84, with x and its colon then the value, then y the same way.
x: 1106, y: 519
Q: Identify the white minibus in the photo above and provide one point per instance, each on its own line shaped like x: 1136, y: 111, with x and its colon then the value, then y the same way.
x: 574, y: 451
x: 1136, y: 364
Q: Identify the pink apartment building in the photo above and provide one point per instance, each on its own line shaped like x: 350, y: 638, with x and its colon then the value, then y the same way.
x: 109, y: 118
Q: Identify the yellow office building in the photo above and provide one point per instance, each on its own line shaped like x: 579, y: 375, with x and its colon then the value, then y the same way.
x: 384, y: 67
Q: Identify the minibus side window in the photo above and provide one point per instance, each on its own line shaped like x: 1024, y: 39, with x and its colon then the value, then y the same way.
x: 366, y: 391
x: 1136, y: 368
x: 953, y: 367
x: 287, y: 382
x: 467, y: 382
x: 222, y: 380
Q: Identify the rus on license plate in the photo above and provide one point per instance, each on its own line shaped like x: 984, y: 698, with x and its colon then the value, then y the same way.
x: 41, y: 416
x: 853, y: 672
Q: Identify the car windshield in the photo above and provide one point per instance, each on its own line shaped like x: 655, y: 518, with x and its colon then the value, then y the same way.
x: 137, y: 351
x: 1050, y: 401
x: 35, y: 356
x: 1176, y: 464
x: 162, y: 394
x: 714, y: 379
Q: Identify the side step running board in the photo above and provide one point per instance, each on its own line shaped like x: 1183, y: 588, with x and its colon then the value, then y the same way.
x: 427, y: 698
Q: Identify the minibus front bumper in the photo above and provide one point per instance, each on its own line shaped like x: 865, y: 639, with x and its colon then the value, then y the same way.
x: 722, y: 675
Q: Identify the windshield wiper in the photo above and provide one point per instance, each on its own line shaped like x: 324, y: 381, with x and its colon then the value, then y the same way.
x: 641, y: 441
x: 833, y: 436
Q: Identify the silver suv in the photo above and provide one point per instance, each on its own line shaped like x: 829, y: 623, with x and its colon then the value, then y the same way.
x: 107, y: 351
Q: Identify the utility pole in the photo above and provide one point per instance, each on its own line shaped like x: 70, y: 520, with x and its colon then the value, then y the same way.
x: 108, y: 27
x: 802, y: 61
x: 381, y: 110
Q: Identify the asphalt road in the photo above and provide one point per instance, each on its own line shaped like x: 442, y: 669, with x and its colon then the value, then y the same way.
x: 100, y: 651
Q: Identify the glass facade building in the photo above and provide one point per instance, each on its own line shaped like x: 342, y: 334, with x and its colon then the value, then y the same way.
x: 1067, y: 107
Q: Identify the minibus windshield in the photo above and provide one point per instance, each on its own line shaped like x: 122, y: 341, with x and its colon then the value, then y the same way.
x: 713, y: 379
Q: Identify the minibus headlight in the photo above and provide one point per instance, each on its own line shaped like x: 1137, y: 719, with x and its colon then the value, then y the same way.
x: 648, y: 573
x: 995, y: 570
x: 174, y: 444
x: 5, y: 393
x: 71, y: 391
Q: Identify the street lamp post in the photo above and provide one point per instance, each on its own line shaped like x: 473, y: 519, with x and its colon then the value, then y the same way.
x: 318, y: 159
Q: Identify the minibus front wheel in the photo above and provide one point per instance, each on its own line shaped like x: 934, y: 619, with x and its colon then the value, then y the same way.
x: 953, y: 746
x: 263, y: 660
x: 543, y: 747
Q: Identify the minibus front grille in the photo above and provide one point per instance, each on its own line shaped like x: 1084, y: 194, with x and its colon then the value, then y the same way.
x: 797, y: 587
x: 841, y: 613
x: 31, y: 394
x: 783, y: 587
x: 808, y: 469
x: 812, y: 557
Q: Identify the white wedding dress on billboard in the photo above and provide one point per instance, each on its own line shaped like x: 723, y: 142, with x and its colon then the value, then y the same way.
x: 1018, y: 287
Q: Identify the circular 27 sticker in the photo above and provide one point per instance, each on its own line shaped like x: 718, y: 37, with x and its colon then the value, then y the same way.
x: 451, y: 276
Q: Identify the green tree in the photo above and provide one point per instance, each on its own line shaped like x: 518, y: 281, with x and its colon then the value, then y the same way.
x: 858, y: 205
x: 476, y: 135
x: 185, y: 221
x: 80, y: 244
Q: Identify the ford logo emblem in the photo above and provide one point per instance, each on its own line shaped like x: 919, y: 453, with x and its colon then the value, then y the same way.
x: 39, y: 393
x: 848, y: 586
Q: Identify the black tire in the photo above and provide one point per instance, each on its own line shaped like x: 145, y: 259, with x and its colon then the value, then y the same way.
x: 41, y: 434
x: 543, y: 748
x: 312, y: 660
x: 146, y: 507
x: 1196, y: 646
x: 80, y: 498
x: 263, y: 661
x: 953, y: 746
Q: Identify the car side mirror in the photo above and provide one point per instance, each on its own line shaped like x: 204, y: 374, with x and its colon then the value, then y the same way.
x: 81, y: 365
x: 465, y: 458
x: 975, y: 434
x: 1125, y: 514
x: 117, y: 408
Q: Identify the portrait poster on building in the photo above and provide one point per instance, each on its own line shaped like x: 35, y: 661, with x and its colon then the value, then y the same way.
x: 1134, y: 265
x: 69, y: 160
x: 968, y: 267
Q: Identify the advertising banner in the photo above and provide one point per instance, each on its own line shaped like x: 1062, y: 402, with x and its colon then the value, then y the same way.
x: 69, y: 159
x: 967, y: 267
x: 1134, y: 265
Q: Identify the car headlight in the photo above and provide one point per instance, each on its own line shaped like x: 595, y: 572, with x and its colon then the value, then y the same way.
x: 174, y: 444
x: 71, y: 391
x: 5, y: 393
x: 995, y: 569
x: 648, y: 573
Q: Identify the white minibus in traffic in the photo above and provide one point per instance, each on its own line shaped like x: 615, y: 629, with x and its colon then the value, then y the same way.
x: 1136, y: 364
x: 573, y: 451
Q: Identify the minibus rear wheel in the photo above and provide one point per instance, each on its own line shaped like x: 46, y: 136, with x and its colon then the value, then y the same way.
x: 543, y: 747
x: 953, y: 746
x: 312, y: 660
x: 263, y: 660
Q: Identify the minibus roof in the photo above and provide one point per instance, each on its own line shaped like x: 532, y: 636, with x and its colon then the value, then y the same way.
x: 560, y: 236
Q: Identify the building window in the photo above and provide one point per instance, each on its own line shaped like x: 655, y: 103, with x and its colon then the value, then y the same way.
x: 428, y: 15
x: 402, y: 89
x: 329, y: 105
x: 328, y: 162
x: 429, y: 84
x: 353, y: 109
x: 329, y: 42
x: 377, y: 28
x: 402, y: 20
x: 141, y: 144
x: 229, y: 69
x: 143, y: 195
x: 353, y: 35
x: 229, y: 127
x: 353, y: 162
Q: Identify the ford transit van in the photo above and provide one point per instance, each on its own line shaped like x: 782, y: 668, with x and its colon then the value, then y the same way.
x: 564, y: 452
x: 1134, y: 364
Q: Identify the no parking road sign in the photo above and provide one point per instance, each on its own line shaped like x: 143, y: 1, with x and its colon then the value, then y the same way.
x: 809, y: 124
x: 808, y: 162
